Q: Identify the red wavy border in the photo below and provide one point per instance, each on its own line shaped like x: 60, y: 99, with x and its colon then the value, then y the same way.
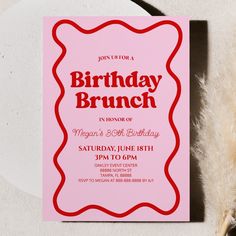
x: 56, y: 109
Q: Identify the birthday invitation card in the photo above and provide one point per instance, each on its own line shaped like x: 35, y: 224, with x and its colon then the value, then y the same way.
x: 116, y: 119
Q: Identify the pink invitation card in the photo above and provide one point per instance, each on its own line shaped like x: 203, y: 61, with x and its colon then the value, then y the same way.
x: 116, y: 119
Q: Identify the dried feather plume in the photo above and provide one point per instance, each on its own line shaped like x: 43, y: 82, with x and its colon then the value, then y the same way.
x: 215, y: 148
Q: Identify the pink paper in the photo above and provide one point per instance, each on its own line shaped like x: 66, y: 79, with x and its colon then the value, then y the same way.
x: 116, y: 119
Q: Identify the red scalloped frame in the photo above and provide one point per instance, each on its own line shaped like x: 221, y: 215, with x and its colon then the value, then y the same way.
x: 170, y: 117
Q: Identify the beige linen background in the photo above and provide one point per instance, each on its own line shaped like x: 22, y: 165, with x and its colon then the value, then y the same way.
x: 20, y: 213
